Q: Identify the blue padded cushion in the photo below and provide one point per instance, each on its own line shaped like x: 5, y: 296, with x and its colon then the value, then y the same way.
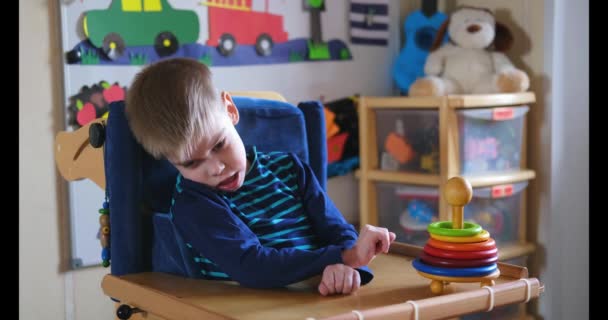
x: 272, y: 125
x: 140, y: 187
x: 314, y: 116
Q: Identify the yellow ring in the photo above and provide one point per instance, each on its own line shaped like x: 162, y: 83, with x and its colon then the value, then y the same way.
x: 482, y: 236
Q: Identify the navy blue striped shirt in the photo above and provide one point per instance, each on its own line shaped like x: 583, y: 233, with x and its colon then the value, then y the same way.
x: 280, y: 227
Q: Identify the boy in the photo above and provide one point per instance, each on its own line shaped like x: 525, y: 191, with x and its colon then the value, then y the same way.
x: 257, y: 218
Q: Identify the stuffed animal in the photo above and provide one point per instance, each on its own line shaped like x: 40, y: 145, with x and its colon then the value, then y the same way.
x: 472, y: 61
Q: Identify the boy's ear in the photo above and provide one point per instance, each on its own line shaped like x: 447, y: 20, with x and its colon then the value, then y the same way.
x: 233, y: 112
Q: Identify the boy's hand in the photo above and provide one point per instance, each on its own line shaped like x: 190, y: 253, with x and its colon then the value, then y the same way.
x: 339, y: 278
x: 372, y: 241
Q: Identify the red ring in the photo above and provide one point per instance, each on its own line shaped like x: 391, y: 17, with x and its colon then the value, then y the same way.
x: 461, y: 255
x: 474, y: 246
x: 455, y: 263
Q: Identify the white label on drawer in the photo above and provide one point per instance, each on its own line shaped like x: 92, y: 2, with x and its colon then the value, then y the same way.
x: 503, y: 190
x: 502, y: 113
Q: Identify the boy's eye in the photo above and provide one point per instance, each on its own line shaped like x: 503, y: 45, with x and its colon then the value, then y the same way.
x: 189, y: 164
x: 219, y: 145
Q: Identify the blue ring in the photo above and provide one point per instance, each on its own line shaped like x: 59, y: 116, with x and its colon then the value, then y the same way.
x: 454, y: 272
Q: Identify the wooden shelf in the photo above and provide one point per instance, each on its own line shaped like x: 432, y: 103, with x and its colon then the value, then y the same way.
x: 493, y: 179
x: 402, y: 102
x: 404, y: 177
x: 485, y: 180
x: 449, y: 144
x: 452, y: 101
x: 494, y: 100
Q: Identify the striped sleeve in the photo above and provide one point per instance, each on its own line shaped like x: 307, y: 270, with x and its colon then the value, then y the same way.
x: 328, y: 222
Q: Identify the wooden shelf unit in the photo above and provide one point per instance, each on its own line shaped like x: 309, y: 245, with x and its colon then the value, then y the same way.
x: 447, y: 107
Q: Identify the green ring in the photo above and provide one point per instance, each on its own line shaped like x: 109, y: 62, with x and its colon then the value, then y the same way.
x: 444, y: 228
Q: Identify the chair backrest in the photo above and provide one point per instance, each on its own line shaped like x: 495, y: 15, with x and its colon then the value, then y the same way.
x: 139, y: 188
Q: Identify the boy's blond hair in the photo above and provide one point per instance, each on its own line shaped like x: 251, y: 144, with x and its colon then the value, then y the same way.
x: 170, y: 104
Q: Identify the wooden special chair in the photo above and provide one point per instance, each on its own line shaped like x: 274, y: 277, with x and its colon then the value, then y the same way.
x: 152, y: 275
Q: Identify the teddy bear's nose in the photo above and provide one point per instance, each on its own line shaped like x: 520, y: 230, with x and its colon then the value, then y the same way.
x: 473, y: 28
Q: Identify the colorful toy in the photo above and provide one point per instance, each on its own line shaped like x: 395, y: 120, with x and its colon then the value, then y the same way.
x: 92, y: 102
x: 420, y: 28
x: 335, y: 147
x: 420, y: 210
x: 458, y: 251
x: 397, y: 144
x: 263, y: 30
x: 104, y: 233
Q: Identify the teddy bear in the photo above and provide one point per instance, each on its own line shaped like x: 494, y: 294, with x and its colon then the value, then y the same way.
x: 472, y: 61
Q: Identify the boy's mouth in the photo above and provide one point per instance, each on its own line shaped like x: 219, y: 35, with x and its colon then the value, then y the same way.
x: 230, y: 183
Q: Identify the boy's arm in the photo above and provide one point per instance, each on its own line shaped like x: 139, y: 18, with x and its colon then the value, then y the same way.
x: 207, y: 223
x: 329, y: 223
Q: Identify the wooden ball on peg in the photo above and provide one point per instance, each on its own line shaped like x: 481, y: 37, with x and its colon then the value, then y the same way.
x: 458, y: 192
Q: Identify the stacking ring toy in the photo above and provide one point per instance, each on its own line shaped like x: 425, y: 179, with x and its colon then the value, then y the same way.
x: 454, y: 272
x: 460, y: 255
x: 455, y: 263
x: 457, y: 251
x: 475, y: 246
x: 444, y: 228
x: 483, y: 236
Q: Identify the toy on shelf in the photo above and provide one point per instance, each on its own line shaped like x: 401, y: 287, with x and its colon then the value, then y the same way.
x: 419, y: 209
x: 458, y: 251
x: 397, y: 145
x: 420, y: 29
x: 342, y: 131
x: 415, y: 149
x: 104, y: 233
x: 473, y: 60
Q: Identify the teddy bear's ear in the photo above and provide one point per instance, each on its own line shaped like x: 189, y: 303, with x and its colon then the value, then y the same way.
x: 440, y: 35
x: 503, y: 38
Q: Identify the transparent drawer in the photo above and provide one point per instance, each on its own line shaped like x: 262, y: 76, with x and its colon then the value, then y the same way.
x: 408, y: 140
x: 407, y: 210
x: 498, y: 210
x: 490, y: 139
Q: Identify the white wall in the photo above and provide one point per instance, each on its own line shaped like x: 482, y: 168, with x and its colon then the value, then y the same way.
x: 564, y: 229
x: 46, y: 290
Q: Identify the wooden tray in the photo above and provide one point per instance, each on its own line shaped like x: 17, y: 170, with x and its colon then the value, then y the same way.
x: 164, y: 296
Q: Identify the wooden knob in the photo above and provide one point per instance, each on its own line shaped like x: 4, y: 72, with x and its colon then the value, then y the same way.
x: 458, y: 191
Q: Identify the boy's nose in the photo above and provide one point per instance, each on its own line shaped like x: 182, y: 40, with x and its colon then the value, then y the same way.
x: 218, y: 168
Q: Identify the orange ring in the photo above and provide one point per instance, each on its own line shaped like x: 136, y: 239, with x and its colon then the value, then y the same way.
x: 473, y: 246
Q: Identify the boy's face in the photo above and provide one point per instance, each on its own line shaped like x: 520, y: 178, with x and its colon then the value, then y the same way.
x: 219, y: 159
